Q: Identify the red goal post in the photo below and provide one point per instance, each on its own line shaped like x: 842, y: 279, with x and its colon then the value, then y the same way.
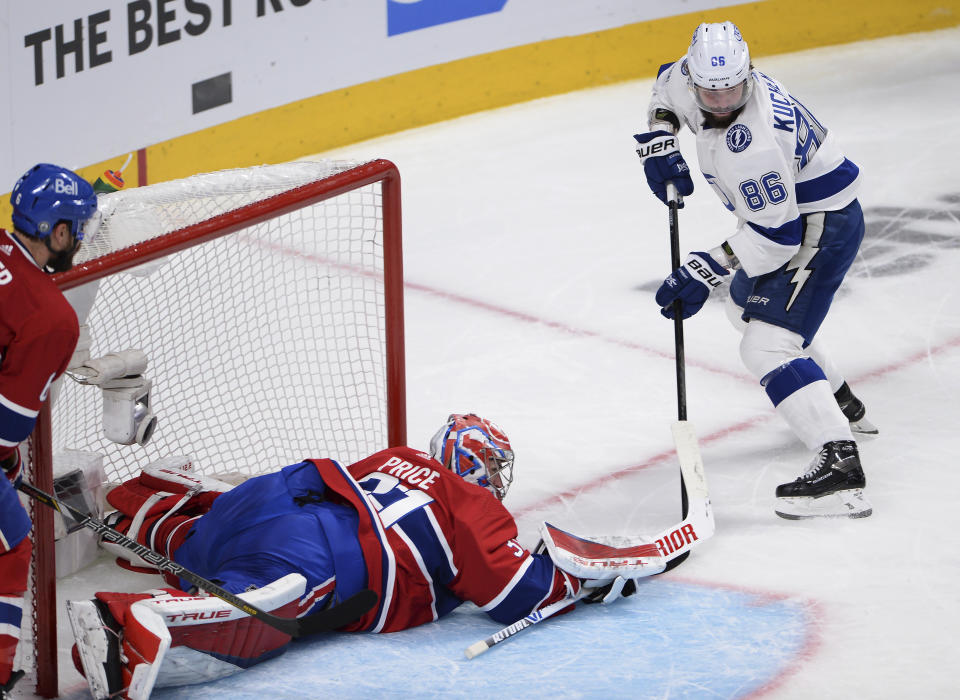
x: 269, y: 304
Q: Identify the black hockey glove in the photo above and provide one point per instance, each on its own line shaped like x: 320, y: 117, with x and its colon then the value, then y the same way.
x: 608, y: 592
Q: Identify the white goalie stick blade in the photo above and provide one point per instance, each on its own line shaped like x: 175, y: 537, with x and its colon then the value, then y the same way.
x: 849, y: 503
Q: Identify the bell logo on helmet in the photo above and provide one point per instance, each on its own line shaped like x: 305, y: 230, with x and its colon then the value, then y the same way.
x: 66, y: 187
x: 47, y: 194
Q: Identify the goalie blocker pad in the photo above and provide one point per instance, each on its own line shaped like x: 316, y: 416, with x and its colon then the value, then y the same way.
x: 602, y: 558
x: 168, y: 638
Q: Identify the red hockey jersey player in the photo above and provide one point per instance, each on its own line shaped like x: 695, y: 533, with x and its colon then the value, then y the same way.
x: 52, y: 208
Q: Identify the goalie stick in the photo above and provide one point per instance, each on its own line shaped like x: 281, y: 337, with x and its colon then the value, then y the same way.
x: 673, y: 543
x: 332, y: 618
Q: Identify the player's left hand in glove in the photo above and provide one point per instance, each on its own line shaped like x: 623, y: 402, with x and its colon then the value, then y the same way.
x: 691, y: 284
x: 606, y: 591
x: 13, y: 467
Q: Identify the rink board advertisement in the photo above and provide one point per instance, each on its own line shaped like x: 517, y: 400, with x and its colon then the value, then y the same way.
x: 121, y: 74
x: 206, y: 84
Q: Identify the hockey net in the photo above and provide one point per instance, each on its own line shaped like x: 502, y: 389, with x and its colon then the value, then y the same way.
x: 268, y: 302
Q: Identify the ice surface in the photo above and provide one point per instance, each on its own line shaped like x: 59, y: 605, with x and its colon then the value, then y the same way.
x: 532, y: 247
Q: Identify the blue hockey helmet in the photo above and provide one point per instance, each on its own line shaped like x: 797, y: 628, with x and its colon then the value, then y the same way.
x: 48, y: 194
x: 477, y: 450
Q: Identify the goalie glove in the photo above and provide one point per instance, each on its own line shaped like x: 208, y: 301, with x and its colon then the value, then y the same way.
x: 601, y: 560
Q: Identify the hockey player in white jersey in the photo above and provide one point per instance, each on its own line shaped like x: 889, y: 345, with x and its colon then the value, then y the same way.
x: 799, y: 226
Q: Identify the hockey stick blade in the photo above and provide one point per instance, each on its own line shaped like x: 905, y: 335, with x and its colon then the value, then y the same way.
x: 335, y: 617
x: 323, y: 621
x: 674, y: 543
x: 694, y: 476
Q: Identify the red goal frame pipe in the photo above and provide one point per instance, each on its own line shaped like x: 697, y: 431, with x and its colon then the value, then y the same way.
x: 44, y: 575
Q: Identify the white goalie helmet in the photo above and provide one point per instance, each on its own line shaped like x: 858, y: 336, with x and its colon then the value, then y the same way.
x: 718, y: 64
x: 477, y: 450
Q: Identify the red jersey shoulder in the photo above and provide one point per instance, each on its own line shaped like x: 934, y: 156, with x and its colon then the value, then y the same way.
x: 459, y: 500
x: 31, y: 304
x: 417, y: 469
x: 411, y: 467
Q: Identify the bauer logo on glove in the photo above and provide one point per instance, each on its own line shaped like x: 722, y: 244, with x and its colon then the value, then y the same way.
x: 690, y: 284
x: 659, y: 152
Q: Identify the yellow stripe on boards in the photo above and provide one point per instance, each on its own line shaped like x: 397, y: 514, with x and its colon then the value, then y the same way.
x: 501, y: 78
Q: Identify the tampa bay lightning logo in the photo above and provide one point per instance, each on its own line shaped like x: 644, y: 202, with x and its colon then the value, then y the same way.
x: 683, y: 67
x: 738, y: 138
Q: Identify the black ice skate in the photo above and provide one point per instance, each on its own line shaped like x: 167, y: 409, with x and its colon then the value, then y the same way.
x: 831, y: 487
x: 855, y: 411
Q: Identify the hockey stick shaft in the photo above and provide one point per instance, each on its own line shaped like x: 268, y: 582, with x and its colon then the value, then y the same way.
x: 674, y: 542
x: 321, y: 621
x: 673, y: 205
x: 519, y: 626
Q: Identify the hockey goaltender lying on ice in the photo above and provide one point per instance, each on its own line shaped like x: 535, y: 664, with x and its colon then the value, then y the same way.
x: 423, y: 531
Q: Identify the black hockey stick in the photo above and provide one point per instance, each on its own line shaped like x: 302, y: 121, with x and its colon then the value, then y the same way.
x: 323, y: 621
x: 683, y: 435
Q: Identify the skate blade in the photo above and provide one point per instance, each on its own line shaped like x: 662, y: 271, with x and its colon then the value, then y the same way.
x: 850, y: 503
x: 88, y: 630
x: 863, y: 427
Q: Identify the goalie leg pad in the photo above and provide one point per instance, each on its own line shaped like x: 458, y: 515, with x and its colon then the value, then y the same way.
x: 167, y: 638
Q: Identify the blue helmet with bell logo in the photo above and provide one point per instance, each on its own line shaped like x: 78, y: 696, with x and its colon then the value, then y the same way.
x: 48, y: 194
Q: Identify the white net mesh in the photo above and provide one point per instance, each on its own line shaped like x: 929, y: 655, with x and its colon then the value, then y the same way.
x: 265, y: 346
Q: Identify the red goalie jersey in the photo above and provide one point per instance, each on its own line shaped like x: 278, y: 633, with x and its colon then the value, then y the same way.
x: 431, y: 540
x: 421, y: 537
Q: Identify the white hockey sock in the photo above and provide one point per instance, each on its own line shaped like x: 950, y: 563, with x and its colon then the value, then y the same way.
x: 819, y: 355
x: 814, y: 416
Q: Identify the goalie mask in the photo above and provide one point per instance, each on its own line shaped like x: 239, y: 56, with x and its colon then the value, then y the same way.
x: 477, y: 450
